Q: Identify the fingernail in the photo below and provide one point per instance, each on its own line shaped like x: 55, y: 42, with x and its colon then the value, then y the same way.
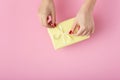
x: 54, y: 24
x: 70, y: 32
x: 50, y: 22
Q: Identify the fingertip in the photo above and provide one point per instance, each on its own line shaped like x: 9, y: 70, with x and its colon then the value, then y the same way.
x: 70, y: 32
x: 84, y: 33
x: 77, y: 34
x: 80, y: 32
x: 73, y: 26
x: 88, y: 34
x: 53, y: 18
x: 55, y: 24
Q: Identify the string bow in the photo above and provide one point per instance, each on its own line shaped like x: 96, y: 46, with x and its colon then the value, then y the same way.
x: 62, y: 35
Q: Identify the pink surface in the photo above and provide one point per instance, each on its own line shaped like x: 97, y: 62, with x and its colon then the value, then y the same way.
x: 26, y: 51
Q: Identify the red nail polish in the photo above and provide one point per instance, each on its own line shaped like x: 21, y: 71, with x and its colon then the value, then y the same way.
x: 70, y: 32
x: 50, y: 23
x: 54, y: 24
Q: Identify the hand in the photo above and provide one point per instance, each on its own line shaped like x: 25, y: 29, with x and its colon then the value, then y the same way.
x: 84, y: 24
x: 47, y: 13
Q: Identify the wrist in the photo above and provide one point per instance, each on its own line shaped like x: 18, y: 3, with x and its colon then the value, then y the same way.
x: 47, y: 1
x: 86, y: 10
x: 88, y: 6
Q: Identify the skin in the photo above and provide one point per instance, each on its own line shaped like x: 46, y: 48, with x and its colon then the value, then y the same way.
x: 47, y: 13
x: 84, y: 21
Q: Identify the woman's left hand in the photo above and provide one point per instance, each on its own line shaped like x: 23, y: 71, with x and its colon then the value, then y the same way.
x: 85, y: 23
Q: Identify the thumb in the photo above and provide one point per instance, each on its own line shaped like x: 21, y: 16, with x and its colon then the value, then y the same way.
x: 75, y: 28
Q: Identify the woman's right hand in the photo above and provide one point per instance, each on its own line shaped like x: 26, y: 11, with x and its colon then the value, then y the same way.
x: 47, y: 13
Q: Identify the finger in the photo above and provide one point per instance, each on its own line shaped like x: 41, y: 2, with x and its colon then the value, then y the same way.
x: 50, y: 21
x: 93, y: 30
x: 84, y: 33
x: 44, y: 21
x: 40, y: 20
x: 52, y: 25
x: 72, y: 29
x: 88, y: 33
x: 53, y: 18
x: 75, y: 28
x: 79, y: 33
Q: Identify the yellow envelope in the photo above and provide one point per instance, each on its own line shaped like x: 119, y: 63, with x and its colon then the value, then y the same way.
x: 61, y: 38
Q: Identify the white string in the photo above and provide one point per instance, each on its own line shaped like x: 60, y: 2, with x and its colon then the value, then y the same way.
x: 63, y: 34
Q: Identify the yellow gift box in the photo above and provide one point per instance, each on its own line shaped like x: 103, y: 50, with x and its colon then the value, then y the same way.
x: 61, y: 38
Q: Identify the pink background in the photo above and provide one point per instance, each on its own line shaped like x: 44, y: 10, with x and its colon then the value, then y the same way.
x: 26, y: 51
